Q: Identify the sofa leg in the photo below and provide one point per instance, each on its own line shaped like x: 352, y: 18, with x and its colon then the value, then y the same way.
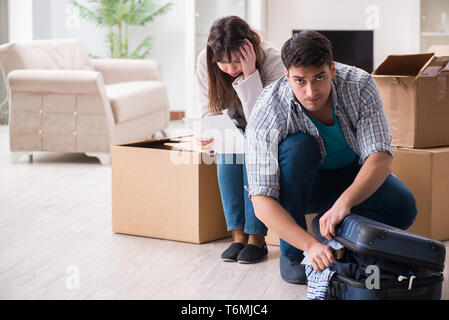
x: 105, y: 158
x: 17, y: 155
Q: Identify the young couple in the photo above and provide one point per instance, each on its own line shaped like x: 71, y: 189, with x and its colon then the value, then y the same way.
x: 317, y: 141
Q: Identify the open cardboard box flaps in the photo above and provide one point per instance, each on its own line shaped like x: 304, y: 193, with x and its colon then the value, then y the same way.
x: 415, y: 95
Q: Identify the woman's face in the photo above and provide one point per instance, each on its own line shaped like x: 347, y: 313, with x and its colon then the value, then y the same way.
x: 233, y: 67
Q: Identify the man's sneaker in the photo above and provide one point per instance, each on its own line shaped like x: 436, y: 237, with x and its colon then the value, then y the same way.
x: 231, y: 253
x: 252, y: 253
x: 292, y: 270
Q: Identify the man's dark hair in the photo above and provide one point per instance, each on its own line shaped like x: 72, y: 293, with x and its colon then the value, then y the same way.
x: 307, y: 48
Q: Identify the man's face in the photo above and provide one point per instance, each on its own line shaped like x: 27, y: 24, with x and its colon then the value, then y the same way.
x: 311, y: 85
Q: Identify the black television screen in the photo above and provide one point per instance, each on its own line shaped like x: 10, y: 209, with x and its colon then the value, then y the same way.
x: 352, y: 47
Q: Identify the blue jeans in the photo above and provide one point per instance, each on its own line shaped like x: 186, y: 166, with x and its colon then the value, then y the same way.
x: 237, y: 206
x: 306, y: 189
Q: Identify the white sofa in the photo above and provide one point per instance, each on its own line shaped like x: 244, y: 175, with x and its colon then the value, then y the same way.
x: 61, y: 100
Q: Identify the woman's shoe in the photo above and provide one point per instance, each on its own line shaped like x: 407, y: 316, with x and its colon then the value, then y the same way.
x: 252, y: 253
x: 231, y: 253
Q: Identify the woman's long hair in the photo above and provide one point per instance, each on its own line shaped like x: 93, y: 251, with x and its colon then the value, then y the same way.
x: 226, y: 36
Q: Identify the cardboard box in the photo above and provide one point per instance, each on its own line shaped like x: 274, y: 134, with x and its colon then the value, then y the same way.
x: 166, y: 192
x: 415, y: 93
x: 426, y: 173
x: 273, y: 239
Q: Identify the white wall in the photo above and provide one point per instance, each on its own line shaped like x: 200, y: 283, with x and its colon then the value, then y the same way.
x: 20, y: 20
x: 42, y: 19
x: 65, y: 24
x: 169, y: 42
x: 256, y: 15
x: 398, y: 31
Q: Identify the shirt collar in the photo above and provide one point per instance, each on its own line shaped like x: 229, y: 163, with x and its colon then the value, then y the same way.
x: 334, y: 97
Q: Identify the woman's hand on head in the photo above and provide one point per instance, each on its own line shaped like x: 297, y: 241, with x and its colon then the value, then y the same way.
x: 247, y: 58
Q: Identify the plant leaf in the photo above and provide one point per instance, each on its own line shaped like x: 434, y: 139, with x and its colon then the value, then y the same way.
x: 87, y: 14
x: 116, y: 15
x: 146, y: 46
x: 156, y: 13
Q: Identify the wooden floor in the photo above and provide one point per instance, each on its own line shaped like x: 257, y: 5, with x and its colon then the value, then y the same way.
x: 56, y: 243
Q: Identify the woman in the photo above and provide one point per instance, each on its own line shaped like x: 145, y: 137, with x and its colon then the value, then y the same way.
x: 232, y: 72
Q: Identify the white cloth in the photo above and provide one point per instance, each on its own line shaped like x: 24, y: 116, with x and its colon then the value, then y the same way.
x: 318, y: 281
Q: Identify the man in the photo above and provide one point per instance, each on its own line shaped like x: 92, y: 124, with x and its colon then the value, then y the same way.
x: 318, y: 141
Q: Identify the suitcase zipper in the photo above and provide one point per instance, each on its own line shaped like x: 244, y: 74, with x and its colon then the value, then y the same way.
x: 410, y: 281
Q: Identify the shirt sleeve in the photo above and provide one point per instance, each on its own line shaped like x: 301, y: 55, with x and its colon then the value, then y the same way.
x: 248, y: 90
x: 263, y: 135
x: 373, y: 131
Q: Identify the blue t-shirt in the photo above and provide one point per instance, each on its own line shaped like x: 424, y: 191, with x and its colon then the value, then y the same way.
x: 338, y: 152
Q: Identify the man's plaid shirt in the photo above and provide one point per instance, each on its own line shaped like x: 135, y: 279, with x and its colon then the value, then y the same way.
x: 278, y: 114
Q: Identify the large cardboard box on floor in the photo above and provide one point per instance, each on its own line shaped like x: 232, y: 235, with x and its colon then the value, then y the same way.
x: 162, y: 191
x: 426, y: 173
x: 415, y: 94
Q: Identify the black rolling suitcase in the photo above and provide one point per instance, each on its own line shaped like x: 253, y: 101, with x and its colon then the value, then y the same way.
x: 408, y: 266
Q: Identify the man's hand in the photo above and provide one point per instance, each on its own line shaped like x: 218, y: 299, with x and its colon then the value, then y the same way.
x: 332, y: 218
x: 320, y: 255
x: 247, y: 58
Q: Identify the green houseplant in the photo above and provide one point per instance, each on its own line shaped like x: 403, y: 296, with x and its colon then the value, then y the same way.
x: 116, y: 16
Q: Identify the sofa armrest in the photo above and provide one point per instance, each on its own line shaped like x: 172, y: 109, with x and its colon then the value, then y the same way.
x: 124, y: 70
x: 55, y: 81
x: 83, y: 83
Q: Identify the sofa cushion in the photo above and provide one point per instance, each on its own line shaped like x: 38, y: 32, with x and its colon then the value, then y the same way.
x: 133, y: 99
